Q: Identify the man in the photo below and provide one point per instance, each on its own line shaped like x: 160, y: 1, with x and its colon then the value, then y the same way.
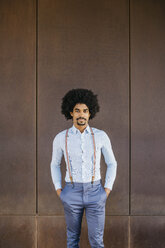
x: 81, y: 146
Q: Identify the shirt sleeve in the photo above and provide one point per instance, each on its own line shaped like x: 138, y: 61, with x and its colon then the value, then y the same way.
x: 110, y: 162
x: 55, y: 165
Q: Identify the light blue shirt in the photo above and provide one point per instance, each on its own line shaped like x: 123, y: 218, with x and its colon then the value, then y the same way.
x: 81, y: 156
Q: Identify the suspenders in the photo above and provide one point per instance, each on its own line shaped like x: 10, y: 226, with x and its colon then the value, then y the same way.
x: 94, y: 146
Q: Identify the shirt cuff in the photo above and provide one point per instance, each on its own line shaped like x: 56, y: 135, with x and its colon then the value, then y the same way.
x: 108, y: 185
x: 58, y: 186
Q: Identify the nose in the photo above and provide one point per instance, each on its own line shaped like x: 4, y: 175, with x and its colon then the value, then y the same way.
x: 81, y: 115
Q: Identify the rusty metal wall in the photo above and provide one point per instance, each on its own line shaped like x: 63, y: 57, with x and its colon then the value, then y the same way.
x: 17, y: 124
x: 115, y: 48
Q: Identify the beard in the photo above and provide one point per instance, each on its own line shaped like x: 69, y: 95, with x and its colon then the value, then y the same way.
x: 81, y: 122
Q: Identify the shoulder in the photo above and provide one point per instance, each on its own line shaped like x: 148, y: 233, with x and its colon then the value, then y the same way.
x: 59, y: 136
x: 101, y: 135
x: 99, y: 131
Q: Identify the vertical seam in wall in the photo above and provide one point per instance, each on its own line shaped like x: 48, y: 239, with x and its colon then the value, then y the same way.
x: 129, y: 231
x: 36, y: 106
x: 36, y: 233
x: 129, y: 1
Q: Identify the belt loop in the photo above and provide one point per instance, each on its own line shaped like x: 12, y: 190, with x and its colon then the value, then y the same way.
x: 72, y: 185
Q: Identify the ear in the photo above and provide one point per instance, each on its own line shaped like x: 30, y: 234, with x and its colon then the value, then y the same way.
x: 71, y: 113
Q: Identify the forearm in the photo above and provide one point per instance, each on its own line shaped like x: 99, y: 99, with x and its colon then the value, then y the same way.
x: 110, y: 175
x: 56, y: 176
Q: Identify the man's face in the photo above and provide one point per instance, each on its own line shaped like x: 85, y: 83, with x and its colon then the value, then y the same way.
x: 80, y: 114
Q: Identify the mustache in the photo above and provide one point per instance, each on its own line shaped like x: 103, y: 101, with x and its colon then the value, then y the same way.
x: 81, y: 118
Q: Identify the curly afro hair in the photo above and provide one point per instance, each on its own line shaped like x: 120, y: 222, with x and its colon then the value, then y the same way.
x: 76, y: 96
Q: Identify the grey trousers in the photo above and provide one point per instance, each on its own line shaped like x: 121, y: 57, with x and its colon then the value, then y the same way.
x: 79, y: 197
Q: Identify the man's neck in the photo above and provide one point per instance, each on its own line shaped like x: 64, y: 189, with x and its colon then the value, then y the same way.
x: 81, y: 128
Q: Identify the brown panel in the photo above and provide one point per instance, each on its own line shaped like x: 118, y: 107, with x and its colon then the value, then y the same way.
x: 148, y: 112
x: 17, y: 100
x: 52, y: 232
x: 83, y: 44
x: 18, y: 231
x: 147, y: 232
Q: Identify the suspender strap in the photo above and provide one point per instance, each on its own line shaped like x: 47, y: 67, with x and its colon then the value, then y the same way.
x: 94, y: 161
x: 71, y: 179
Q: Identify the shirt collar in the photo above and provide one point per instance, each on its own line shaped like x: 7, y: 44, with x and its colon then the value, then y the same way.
x: 75, y: 130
